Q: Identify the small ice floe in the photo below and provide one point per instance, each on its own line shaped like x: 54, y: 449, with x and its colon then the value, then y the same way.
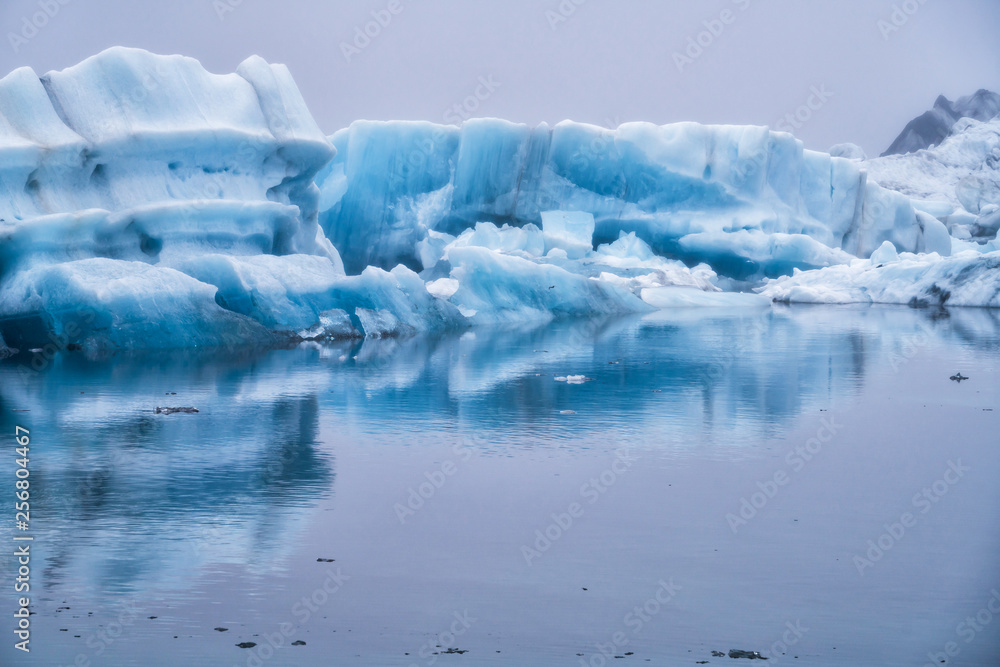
x: 170, y: 411
x: 575, y: 379
x: 567, y: 412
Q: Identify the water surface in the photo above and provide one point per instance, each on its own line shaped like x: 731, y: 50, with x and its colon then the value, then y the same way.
x: 714, y: 487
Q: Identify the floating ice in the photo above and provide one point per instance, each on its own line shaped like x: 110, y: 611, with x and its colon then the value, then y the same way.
x: 692, y: 192
x: 967, y: 278
x: 145, y: 202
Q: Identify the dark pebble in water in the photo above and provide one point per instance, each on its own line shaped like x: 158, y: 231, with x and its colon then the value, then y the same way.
x: 302, y: 643
x: 246, y: 645
x: 222, y: 629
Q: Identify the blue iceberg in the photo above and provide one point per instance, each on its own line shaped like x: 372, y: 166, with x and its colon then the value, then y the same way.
x: 147, y: 203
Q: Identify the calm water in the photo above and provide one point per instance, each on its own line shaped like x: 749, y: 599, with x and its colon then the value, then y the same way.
x: 714, y: 488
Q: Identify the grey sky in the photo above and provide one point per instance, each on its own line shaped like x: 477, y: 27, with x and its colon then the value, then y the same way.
x: 608, y: 62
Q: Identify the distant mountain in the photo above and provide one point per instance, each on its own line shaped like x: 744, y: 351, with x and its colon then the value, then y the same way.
x: 932, y: 127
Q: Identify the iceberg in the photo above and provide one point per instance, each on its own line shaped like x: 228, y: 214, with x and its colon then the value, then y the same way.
x: 148, y: 203
x: 694, y: 193
x: 145, y: 202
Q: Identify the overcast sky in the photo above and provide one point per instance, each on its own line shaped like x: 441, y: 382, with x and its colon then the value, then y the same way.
x: 600, y: 61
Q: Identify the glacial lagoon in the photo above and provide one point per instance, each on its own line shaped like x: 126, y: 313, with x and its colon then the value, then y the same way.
x: 807, y: 483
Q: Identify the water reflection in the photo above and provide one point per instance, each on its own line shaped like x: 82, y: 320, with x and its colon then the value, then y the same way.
x: 128, y: 501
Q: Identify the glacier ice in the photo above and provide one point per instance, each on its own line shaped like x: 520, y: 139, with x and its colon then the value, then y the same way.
x: 569, y: 231
x: 145, y: 202
x: 692, y: 192
x: 968, y: 278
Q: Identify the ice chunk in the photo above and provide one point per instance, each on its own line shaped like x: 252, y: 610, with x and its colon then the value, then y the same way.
x: 382, y: 324
x: 936, y: 236
x: 333, y: 325
x: 572, y: 231
x: 886, y: 254
x: 687, y: 297
x: 443, y: 288
x: 498, y: 287
x: 526, y: 241
x: 848, y: 151
x: 967, y: 278
x: 627, y: 247
x: 573, y: 379
x: 105, y: 304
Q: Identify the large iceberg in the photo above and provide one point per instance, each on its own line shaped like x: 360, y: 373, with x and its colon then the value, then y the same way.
x: 696, y: 193
x: 145, y: 202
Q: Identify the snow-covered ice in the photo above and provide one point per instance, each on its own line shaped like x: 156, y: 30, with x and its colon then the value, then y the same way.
x: 968, y: 278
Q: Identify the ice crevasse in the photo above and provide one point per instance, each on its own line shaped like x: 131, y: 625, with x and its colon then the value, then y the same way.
x: 145, y: 202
